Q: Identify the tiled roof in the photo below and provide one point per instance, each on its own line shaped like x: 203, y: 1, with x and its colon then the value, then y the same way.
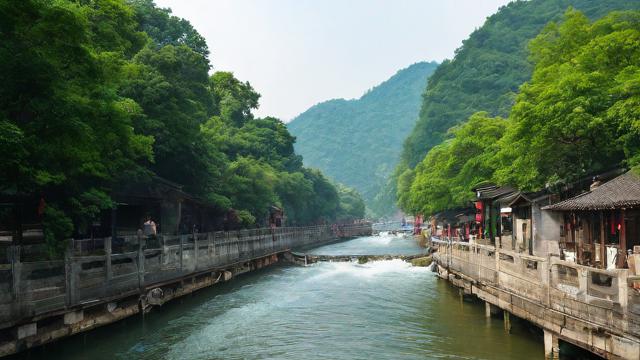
x: 492, y: 192
x: 507, y: 198
x: 528, y: 197
x: 621, y: 192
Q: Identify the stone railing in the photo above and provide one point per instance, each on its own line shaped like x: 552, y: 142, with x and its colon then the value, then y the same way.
x: 600, y: 297
x: 95, y: 270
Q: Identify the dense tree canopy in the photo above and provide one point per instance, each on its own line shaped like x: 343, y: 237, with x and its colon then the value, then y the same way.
x: 579, y: 114
x: 487, y: 70
x: 64, y: 128
x: 96, y: 94
x: 166, y: 29
x: 444, y: 178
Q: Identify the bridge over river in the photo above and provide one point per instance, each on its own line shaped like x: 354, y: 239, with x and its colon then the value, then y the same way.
x: 328, y: 310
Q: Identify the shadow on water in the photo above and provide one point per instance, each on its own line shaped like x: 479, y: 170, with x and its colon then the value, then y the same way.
x: 466, y: 333
x: 471, y: 310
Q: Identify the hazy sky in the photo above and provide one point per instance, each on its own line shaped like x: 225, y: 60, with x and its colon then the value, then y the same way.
x: 297, y: 53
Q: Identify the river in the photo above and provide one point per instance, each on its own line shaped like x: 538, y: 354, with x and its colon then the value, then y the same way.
x: 378, y: 310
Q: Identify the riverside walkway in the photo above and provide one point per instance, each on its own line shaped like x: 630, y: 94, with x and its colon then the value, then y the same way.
x: 101, y: 281
x: 594, y: 309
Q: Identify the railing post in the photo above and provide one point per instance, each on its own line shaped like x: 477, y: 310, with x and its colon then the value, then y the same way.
x: 450, y: 252
x: 497, y: 253
x: 582, y: 282
x: 623, y: 288
x: 209, y: 255
x: 141, y: 262
x: 70, y: 275
x: 549, y: 279
x: 107, y: 258
x: 161, y: 244
x: 15, y: 272
x: 195, y: 250
x: 213, y: 245
x: 181, y: 250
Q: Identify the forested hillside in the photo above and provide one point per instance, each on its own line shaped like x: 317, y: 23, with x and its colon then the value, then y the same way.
x: 578, y: 115
x: 486, y: 72
x: 357, y: 142
x: 98, y: 95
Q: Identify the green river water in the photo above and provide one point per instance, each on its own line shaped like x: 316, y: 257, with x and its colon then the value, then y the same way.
x: 378, y: 310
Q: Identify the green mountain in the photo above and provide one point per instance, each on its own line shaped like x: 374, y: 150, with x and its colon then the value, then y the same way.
x: 578, y: 115
x: 357, y: 142
x: 488, y: 69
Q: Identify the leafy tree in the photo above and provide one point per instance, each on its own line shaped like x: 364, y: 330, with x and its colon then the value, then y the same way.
x: 578, y: 115
x: 324, y: 206
x: 296, y: 192
x: 444, y: 178
x: 98, y: 94
x: 579, y: 112
x: 166, y: 29
x: 404, y: 196
x: 251, y: 186
x: 113, y: 27
x: 265, y: 139
x: 171, y: 86
x: 487, y: 70
x: 234, y: 99
x: 351, y: 204
x: 68, y: 134
x: 264, y: 170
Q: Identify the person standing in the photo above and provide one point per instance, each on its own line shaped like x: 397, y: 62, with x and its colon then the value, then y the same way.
x: 149, y: 227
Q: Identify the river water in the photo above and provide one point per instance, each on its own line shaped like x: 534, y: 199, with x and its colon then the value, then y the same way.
x: 378, y: 310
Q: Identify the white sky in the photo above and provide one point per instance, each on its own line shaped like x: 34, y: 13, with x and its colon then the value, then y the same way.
x: 297, y: 53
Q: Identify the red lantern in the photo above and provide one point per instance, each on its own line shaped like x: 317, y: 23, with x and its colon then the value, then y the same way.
x: 479, y: 211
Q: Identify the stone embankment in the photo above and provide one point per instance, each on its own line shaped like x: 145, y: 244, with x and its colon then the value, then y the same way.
x: 101, y: 281
x: 594, y: 309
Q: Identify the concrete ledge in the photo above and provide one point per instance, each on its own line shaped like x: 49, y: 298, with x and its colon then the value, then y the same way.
x: 26, y: 330
x: 73, y: 317
x: 103, y: 313
x: 557, y: 324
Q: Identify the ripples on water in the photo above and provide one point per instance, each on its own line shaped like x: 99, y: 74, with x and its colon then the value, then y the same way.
x: 378, y: 310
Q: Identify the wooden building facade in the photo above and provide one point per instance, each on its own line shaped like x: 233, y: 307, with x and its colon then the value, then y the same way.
x: 601, y: 227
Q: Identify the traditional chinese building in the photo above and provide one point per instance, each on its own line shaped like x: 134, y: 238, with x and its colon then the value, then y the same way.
x: 600, y: 226
x: 490, y: 199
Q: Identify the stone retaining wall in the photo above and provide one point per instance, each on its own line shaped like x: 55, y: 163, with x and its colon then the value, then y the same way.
x: 100, y: 274
x: 595, y: 309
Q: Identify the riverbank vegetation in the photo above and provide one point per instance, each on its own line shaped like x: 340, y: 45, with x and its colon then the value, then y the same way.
x: 97, y: 95
x: 484, y: 76
x: 579, y: 114
x: 489, y: 68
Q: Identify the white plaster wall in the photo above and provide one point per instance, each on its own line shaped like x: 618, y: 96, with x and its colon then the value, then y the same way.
x: 521, y: 239
x: 546, y: 231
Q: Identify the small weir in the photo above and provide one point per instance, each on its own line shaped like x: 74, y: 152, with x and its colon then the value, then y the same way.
x: 306, y: 259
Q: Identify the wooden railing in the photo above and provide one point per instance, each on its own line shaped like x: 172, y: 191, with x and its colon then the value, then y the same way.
x: 97, y: 269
